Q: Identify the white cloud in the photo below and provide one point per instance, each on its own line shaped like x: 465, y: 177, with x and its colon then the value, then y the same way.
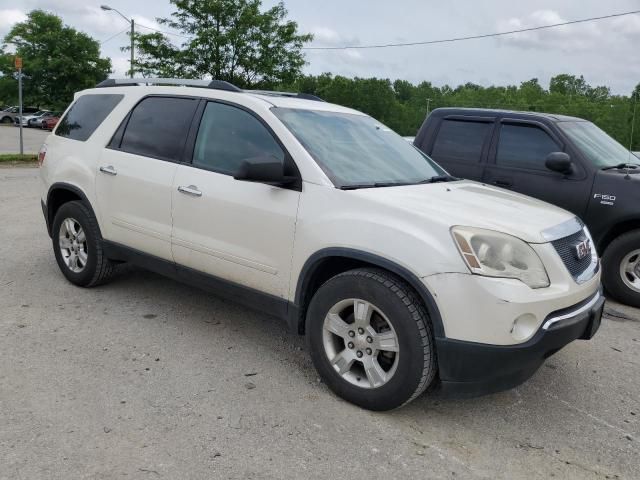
x: 9, y: 17
x: 569, y: 38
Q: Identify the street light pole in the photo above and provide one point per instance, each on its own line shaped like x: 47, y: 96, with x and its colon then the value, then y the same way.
x: 107, y: 8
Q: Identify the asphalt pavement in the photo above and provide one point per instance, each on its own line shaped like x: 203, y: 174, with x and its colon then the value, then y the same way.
x: 32, y: 139
x: 146, y: 378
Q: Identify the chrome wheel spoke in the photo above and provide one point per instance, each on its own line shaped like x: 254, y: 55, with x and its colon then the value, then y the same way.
x: 82, y: 256
x: 375, y: 374
x: 362, y: 312
x: 336, y: 325
x: 65, y: 243
x: 387, y: 342
x: 81, y: 236
x: 343, y: 361
x: 630, y: 270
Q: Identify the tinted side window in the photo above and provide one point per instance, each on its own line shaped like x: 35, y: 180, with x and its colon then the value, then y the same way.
x: 158, y: 127
x: 86, y: 115
x: 524, y: 146
x: 460, y: 141
x: 228, y: 136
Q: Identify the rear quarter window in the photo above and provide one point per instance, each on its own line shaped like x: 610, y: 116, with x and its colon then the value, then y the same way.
x: 85, y: 116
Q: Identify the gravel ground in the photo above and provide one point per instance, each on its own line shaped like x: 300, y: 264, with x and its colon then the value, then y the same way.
x: 146, y: 378
x: 33, y: 138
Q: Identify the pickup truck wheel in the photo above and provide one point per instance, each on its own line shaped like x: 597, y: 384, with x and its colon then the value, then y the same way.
x: 621, y: 268
x: 78, y: 246
x: 371, y: 339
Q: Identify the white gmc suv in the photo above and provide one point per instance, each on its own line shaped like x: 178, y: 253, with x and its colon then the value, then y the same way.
x: 400, y: 276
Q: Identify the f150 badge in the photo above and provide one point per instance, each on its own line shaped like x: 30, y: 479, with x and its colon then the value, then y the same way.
x: 583, y: 249
x: 605, y: 199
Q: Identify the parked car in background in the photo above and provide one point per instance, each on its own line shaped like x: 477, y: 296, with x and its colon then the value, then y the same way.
x: 399, y: 275
x: 9, y: 115
x: 27, y: 119
x: 49, y: 123
x: 563, y: 160
x: 36, y: 121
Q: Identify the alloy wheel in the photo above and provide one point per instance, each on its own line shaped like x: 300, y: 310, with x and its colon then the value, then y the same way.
x: 361, y: 343
x: 73, y: 245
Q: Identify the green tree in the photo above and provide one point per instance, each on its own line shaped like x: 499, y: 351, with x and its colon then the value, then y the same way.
x: 58, y: 60
x: 229, y: 40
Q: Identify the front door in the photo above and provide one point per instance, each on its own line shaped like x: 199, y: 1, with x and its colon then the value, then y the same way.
x: 517, y: 162
x: 239, y: 231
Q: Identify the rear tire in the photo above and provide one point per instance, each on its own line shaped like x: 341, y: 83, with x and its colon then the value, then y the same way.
x: 380, y: 363
x: 77, y: 245
x: 621, y: 268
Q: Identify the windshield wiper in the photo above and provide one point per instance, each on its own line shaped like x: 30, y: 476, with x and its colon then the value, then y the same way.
x: 621, y: 165
x: 434, y: 179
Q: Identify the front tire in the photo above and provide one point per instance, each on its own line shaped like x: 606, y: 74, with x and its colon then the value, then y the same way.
x: 370, y: 339
x: 621, y: 268
x: 77, y: 245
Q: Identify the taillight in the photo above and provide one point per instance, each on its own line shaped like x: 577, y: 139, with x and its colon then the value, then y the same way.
x: 41, y: 154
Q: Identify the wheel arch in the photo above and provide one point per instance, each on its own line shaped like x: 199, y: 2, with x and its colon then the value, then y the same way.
x: 615, y: 231
x: 60, y: 193
x: 326, y: 263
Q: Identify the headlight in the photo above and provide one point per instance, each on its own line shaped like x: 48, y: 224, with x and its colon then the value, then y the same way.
x: 495, y: 254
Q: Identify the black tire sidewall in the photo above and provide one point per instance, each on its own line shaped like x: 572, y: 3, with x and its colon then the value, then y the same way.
x: 80, y: 213
x: 611, y: 260
x: 406, y: 380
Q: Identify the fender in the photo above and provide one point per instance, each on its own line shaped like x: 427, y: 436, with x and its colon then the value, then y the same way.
x: 70, y: 188
x: 314, y: 261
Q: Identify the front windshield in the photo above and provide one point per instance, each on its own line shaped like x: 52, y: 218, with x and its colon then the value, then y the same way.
x: 357, y: 150
x: 596, y: 145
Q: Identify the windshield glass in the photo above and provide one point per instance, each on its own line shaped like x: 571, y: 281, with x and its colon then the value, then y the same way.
x: 596, y: 145
x: 357, y: 150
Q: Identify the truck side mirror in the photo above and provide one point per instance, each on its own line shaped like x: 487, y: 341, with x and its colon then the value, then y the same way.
x: 559, y: 162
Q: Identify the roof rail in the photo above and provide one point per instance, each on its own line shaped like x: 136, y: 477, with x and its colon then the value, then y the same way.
x: 188, y: 82
x: 302, y: 96
x: 184, y: 82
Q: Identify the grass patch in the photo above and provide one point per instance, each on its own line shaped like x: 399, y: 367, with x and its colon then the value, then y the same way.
x: 17, y: 158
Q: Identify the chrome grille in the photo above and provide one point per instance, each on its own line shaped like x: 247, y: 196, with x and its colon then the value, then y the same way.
x: 566, y: 248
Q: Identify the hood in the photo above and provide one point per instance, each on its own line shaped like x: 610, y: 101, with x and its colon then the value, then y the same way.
x: 473, y: 204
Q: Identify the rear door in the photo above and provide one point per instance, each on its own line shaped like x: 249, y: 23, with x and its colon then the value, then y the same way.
x: 135, y: 174
x: 460, y: 145
x: 517, y: 162
x: 235, y: 230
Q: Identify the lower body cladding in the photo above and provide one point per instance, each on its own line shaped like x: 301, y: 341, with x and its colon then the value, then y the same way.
x: 498, y: 343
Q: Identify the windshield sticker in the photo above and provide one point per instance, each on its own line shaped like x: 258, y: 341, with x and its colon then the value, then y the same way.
x: 605, y: 199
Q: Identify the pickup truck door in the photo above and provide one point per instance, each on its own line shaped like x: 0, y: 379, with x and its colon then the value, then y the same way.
x: 517, y: 162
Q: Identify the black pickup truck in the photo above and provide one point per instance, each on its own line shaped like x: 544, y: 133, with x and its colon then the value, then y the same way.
x: 563, y: 160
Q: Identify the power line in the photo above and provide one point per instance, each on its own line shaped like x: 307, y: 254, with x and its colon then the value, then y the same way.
x: 474, y: 37
x: 162, y: 31
x: 114, y: 36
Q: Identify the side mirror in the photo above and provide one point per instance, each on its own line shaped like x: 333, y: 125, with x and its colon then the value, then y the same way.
x: 264, y: 169
x: 559, y: 162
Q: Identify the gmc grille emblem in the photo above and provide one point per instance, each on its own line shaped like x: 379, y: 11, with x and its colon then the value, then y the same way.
x: 582, y: 249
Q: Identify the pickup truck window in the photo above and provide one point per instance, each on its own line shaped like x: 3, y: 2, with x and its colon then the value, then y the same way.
x: 524, y: 146
x: 460, y: 141
x: 598, y: 147
x: 355, y: 149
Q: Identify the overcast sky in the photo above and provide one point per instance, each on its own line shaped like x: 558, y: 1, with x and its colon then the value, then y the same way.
x: 605, y: 52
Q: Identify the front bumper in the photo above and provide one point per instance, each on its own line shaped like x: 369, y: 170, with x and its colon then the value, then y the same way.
x: 469, y: 369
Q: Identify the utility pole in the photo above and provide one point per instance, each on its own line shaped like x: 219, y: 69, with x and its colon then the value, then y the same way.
x: 107, y: 8
x: 428, y: 104
x: 18, y: 64
x: 633, y: 122
x: 132, y: 42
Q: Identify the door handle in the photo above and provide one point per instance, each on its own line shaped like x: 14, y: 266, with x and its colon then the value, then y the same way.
x: 109, y: 170
x: 190, y: 190
x: 503, y: 183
